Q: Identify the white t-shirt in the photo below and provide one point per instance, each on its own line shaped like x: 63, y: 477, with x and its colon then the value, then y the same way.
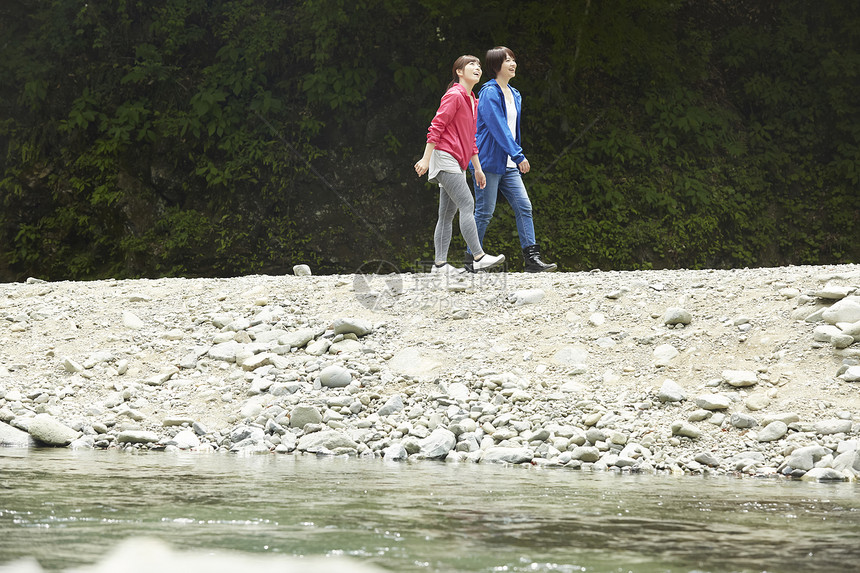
x: 512, y: 125
x: 442, y: 161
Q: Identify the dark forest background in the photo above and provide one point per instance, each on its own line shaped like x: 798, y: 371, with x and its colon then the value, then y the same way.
x: 217, y: 138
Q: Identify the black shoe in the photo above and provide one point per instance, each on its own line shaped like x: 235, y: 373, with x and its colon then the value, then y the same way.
x: 533, y: 262
x: 468, y: 262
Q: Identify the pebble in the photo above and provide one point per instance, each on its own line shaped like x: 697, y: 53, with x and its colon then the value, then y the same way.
x: 298, y: 338
x: 805, y: 458
x: 438, y: 444
x: 507, y: 455
x: 664, y: 354
x: 393, y: 405
x: 185, y: 440
x: 739, y: 378
x: 335, y: 377
x: 713, y: 401
x: 303, y: 414
x: 356, y: 326
x: 670, y: 391
x: 131, y: 320
x: 136, y: 437
x: 674, y: 316
x: 757, y: 402
x: 828, y: 427
x: 834, y: 292
x: 528, y: 296
x: 775, y: 430
x: 741, y: 420
x: 681, y: 428
x: 326, y: 441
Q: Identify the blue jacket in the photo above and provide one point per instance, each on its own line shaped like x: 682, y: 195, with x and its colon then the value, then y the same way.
x: 495, y: 142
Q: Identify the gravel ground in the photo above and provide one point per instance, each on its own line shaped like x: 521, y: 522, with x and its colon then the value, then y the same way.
x: 751, y: 371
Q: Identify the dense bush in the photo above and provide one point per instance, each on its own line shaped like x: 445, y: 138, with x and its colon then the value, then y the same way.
x: 217, y: 137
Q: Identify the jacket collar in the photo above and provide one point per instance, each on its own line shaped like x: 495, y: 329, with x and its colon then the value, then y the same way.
x: 466, y: 94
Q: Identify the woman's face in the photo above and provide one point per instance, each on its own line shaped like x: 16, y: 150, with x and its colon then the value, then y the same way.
x: 508, y: 69
x: 471, y: 73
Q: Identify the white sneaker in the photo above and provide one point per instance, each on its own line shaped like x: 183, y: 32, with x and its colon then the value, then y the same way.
x: 446, y: 269
x: 488, y: 261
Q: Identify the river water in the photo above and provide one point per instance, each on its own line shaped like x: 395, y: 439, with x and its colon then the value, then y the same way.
x: 67, y: 508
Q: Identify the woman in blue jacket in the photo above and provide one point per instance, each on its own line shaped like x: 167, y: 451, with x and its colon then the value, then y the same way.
x: 502, y: 158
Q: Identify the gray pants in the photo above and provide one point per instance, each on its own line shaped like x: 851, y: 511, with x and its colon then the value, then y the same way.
x: 454, y: 195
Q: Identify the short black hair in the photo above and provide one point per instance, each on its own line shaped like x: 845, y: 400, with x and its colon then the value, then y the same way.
x: 496, y: 57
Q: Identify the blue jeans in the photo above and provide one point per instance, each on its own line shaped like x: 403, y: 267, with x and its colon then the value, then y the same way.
x: 510, y: 185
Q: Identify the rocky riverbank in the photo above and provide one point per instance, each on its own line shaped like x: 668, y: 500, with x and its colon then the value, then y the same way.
x: 753, y: 371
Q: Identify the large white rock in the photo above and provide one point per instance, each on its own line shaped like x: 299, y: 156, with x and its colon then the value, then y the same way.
x: 500, y: 455
x: 326, y: 440
x: 136, y: 437
x: 335, y: 376
x: 267, y: 336
x: 682, y: 428
x: 664, y: 354
x: 47, y: 430
x: 393, y: 405
x: 226, y: 351
x: 825, y: 332
x: 773, y: 431
x: 303, y: 414
x: 842, y: 341
x: 675, y: 315
x: 739, y: 378
x: 833, y: 291
x: 459, y: 391
x: 823, y: 474
x: 357, y: 326
x: 835, y: 426
x: 318, y: 347
x: 845, y: 310
x: 527, y: 296
x: 186, y: 440
x: 713, y: 401
x: 852, y: 374
x: 804, y: 458
x: 852, y: 328
x: 670, y: 391
x: 131, y: 320
x: 72, y: 366
x: 298, y: 338
x: 345, y: 346
x: 438, y: 444
x: 11, y: 436
x: 395, y: 453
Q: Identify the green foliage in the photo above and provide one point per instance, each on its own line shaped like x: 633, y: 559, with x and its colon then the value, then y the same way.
x: 218, y: 137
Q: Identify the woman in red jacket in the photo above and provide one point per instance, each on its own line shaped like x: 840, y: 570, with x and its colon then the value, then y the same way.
x: 450, y: 147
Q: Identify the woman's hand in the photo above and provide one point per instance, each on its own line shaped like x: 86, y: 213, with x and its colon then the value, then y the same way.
x: 480, y: 178
x: 423, y: 164
x: 524, y: 166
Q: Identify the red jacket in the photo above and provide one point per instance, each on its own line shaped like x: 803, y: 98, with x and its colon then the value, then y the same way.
x: 454, y: 125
